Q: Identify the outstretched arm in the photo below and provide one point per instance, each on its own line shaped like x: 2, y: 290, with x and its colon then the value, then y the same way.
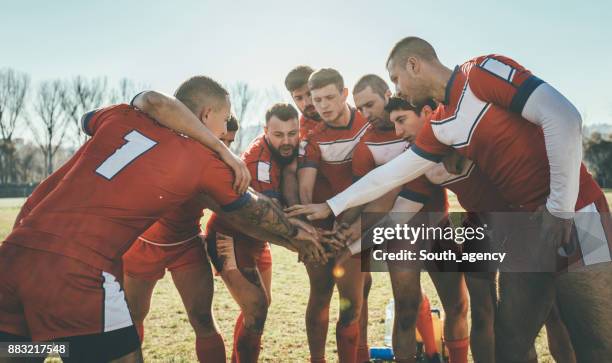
x: 404, y: 168
x: 173, y: 114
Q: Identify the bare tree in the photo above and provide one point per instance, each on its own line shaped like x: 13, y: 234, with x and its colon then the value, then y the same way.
x: 48, y: 107
x: 81, y: 95
x: 243, y: 98
x: 13, y: 90
x: 126, y: 90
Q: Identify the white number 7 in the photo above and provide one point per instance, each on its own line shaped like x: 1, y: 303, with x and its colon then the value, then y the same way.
x: 136, y: 145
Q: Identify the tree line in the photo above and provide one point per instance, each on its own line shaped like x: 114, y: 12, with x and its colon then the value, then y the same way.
x: 50, y: 111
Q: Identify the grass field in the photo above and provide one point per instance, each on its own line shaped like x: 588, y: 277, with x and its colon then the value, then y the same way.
x: 169, y: 338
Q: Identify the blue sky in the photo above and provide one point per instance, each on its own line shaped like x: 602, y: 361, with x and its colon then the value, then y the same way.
x: 162, y: 43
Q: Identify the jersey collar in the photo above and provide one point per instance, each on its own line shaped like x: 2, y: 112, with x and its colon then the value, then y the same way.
x: 349, y: 125
x: 449, y: 86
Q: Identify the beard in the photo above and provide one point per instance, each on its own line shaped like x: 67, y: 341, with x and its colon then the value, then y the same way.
x: 311, y: 113
x: 281, y: 159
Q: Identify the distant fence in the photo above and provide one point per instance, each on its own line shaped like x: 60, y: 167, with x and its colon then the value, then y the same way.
x: 16, y: 190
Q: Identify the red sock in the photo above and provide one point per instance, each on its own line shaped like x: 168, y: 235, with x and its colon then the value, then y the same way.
x: 140, y: 329
x: 458, y: 350
x: 210, y: 349
x: 363, y: 353
x: 248, y: 346
x: 347, y: 339
x: 237, y: 331
x: 317, y: 360
x: 425, y: 326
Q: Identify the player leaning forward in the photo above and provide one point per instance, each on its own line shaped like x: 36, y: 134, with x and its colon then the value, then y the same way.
x: 526, y: 137
x: 122, y: 180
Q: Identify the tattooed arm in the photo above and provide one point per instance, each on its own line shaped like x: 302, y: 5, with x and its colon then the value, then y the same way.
x: 263, y: 215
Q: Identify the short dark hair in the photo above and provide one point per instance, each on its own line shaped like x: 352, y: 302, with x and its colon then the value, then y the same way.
x: 397, y: 103
x: 324, y: 77
x: 298, y: 77
x: 201, y: 91
x: 232, y: 123
x: 283, y: 111
x: 411, y: 47
x: 377, y: 84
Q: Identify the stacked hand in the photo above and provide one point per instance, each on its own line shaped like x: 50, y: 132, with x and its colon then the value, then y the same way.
x: 306, y: 242
x: 311, y: 211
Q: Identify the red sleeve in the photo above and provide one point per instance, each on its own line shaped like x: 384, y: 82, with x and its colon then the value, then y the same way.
x: 428, y: 146
x: 419, y: 190
x: 92, y: 120
x: 46, y: 186
x: 310, y: 154
x: 217, y: 181
x: 363, y: 161
x: 502, y: 81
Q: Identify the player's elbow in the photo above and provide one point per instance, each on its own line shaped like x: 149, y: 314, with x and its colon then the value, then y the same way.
x: 151, y: 102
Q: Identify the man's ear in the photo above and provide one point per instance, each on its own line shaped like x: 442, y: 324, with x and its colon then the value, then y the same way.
x: 413, y: 65
x: 387, y: 96
x: 205, y: 113
x: 345, y: 93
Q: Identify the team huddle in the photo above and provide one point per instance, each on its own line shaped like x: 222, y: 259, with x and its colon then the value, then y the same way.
x: 103, y: 229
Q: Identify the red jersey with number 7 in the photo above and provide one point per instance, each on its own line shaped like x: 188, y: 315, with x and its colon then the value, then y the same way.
x: 128, y: 175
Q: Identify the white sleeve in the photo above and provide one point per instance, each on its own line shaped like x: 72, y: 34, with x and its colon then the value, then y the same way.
x: 402, y: 212
x: 402, y: 169
x: 562, y: 126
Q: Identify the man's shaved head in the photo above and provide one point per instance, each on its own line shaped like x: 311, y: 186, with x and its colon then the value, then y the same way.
x: 201, y: 92
x: 377, y: 84
x: 411, y: 47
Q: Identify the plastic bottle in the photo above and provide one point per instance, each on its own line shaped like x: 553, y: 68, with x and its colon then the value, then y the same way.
x: 389, y: 316
x: 381, y: 354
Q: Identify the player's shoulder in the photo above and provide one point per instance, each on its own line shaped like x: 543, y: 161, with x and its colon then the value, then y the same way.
x: 493, y: 63
x: 257, y: 150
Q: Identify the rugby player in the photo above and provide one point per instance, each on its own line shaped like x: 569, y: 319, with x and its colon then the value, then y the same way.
x: 174, y: 243
x: 326, y: 155
x: 244, y: 263
x: 477, y: 195
x: 125, y: 178
x: 379, y: 145
x: 526, y: 138
x: 232, y: 128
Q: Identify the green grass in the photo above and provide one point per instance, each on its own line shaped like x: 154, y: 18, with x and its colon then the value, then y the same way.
x: 169, y: 338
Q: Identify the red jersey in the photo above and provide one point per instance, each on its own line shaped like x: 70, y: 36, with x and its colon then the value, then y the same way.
x: 307, y: 125
x: 474, y: 191
x: 265, y: 178
x: 481, y: 119
x: 179, y: 225
x: 330, y: 150
x: 129, y: 174
x: 377, y: 147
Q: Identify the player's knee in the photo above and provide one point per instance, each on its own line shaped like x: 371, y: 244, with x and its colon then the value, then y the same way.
x: 349, y: 312
x: 406, y: 311
x: 457, y: 310
x: 257, y: 309
x: 202, y: 321
x: 482, y: 317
